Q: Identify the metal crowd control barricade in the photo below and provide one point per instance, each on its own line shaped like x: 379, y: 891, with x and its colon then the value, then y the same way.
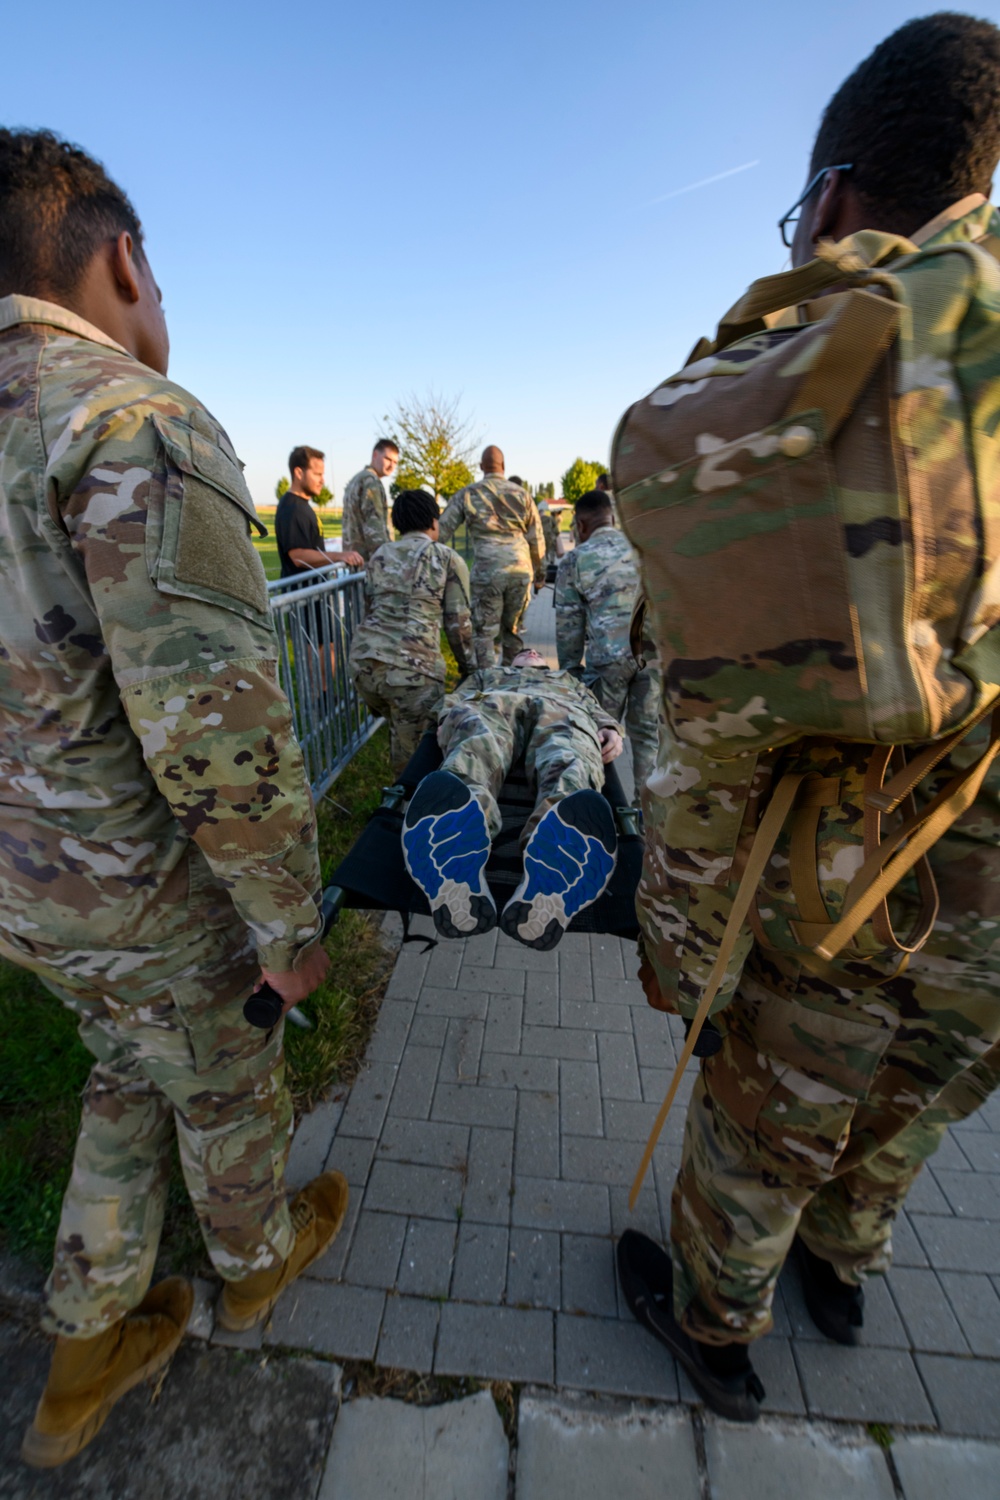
x: 315, y: 618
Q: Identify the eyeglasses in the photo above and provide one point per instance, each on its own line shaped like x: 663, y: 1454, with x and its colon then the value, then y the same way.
x: 792, y: 216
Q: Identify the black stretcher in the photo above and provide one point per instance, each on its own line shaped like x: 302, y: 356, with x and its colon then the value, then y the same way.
x: 373, y: 875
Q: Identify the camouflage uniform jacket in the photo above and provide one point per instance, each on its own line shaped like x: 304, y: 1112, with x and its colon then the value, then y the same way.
x: 148, y: 769
x: 700, y: 815
x: 503, y: 522
x: 595, y: 593
x: 558, y: 689
x: 411, y: 585
x: 550, y: 529
x: 365, y: 519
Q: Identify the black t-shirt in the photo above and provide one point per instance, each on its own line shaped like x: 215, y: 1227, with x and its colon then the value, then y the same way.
x: 295, y: 526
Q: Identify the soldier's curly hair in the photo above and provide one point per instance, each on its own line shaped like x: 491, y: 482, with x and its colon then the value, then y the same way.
x: 57, y: 207
x: 414, y: 510
x: 919, y: 119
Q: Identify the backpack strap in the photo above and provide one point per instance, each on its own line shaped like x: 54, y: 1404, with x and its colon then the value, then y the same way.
x: 929, y: 901
x: 862, y: 327
x: 879, y: 874
x: 907, y: 844
x: 843, y: 263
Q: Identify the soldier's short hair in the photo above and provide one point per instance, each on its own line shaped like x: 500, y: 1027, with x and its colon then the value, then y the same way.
x: 414, y: 510
x: 919, y: 119
x: 299, y: 458
x: 57, y: 207
x: 593, y: 503
x: 603, y: 482
x: 386, y: 445
x: 515, y: 479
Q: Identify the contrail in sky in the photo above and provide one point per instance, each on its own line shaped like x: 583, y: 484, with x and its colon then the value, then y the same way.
x: 704, y: 182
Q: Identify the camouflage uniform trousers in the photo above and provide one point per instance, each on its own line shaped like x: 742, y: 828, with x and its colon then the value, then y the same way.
x: 862, y: 1212
x: 631, y: 694
x: 407, y: 699
x: 173, y: 1052
x: 816, y: 1116
x: 498, y: 601
x: 482, y: 737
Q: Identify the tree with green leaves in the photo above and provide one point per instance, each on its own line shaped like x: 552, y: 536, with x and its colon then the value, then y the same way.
x: 545, y: 491
x: 282, y: 486
x: 580, y: 477
x: 435, y: 445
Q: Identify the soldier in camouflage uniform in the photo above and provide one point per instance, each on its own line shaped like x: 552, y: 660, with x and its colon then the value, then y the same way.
x: 413, y: 586
x: 365, y: 520
x: 825, y: 1099
x: 550, y: 530
x: 550, y: 527
x: 509, y: 553
x: 596, y: 588
x: 157, y: 835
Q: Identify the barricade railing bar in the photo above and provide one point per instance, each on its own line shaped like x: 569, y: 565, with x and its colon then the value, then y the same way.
x: 315, y: 618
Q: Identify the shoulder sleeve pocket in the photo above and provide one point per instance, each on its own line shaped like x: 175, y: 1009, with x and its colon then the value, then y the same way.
x: 205, y: 551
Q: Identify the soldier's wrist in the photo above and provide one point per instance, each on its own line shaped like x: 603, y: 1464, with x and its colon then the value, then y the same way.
x: 283, y: 958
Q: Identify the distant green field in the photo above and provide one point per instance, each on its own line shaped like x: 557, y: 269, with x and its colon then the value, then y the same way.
x: 331, y: 525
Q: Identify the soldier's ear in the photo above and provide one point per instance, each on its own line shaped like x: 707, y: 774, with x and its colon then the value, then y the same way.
x: 123, y: 266
x: 828, y: 213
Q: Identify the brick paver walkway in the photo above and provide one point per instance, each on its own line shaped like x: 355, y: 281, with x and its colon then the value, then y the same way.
x: 489, y: 1144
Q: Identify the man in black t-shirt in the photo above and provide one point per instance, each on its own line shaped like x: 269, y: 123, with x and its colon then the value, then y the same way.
x: 300, y: 549
x: 296, y: 529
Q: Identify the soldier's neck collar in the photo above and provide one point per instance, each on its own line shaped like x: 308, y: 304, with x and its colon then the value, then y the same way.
x: 17, y: 309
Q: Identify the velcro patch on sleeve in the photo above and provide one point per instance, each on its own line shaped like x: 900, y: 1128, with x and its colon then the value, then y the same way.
x: 214, y: 550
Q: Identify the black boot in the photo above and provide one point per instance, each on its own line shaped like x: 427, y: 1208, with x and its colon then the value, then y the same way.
x: 836, y: 1308
x: 722, y: 1374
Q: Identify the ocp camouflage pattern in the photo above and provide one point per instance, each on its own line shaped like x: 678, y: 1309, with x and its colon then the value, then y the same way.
x: 550, y: 718
x: 503, y: 525
x: 412, y: 587
x: 146, y: 749
x: 829, y: 1091
x: 365, y: 523
x: 550, y: 530
x: 811, y: 1119
x: 164, y: 1022
x: 595, y: 594
x: 596, y: 588
x: 408, y: 700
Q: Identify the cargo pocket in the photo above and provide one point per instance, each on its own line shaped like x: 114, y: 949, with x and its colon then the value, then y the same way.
x: 210, y: 1008
x: 203, y: 549
x: 792, y: 1083
x: 783, y: 647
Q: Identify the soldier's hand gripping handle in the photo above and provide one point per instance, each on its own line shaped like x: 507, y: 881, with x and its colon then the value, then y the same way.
x: 278, y: 992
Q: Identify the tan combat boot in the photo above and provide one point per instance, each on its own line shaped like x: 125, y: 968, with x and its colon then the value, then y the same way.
x: 88, y: 1376
x: 317, y: 1214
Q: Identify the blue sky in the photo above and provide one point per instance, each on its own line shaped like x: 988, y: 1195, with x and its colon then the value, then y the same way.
x: 346, y: 204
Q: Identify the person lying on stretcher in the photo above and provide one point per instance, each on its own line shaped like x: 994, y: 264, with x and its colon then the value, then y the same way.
x: 570, y: 845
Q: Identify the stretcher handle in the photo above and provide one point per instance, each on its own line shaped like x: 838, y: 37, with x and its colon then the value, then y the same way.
x: 263, y: 1008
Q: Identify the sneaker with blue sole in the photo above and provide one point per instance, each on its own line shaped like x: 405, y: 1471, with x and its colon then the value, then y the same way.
x: 446, y: 843
x: 568, y: 861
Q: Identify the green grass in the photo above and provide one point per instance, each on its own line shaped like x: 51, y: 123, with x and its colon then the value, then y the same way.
x: 43, y: 1065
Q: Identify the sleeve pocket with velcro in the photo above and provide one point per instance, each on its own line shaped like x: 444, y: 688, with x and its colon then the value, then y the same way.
x: 204, y: 549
